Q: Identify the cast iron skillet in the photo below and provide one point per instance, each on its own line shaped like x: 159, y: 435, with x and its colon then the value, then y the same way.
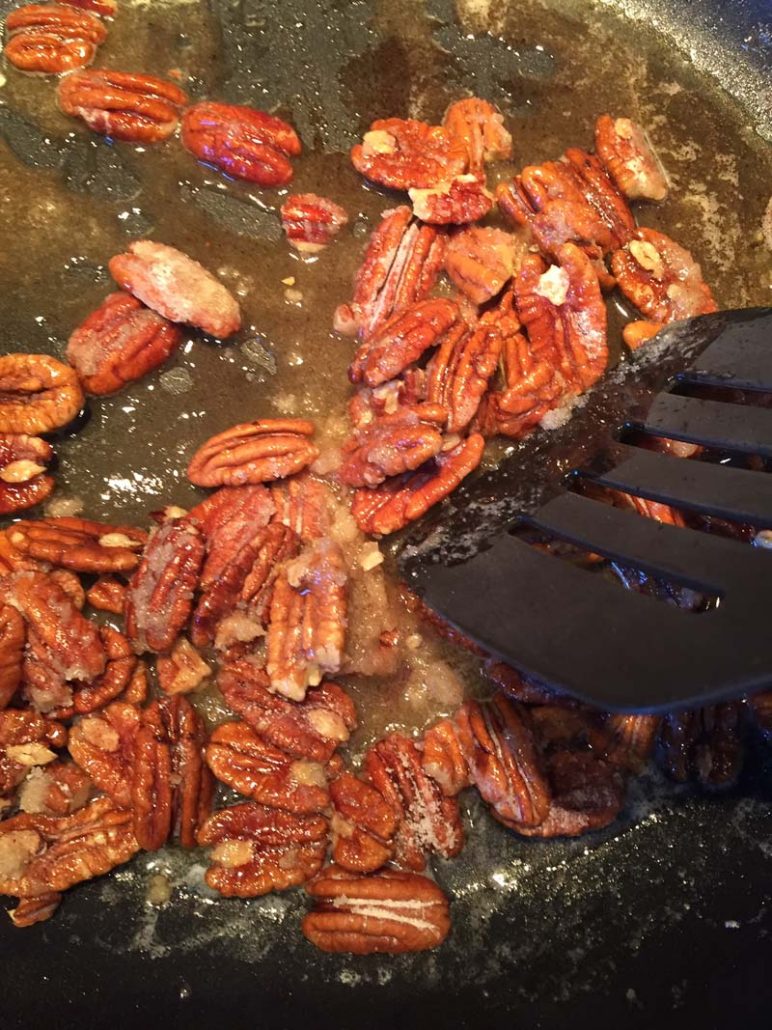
x: 662, y: 919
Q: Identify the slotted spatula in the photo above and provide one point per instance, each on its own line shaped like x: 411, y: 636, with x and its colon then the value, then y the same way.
x: 574, y: 629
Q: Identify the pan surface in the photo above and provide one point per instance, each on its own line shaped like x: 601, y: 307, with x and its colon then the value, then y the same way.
x: 665, y: 917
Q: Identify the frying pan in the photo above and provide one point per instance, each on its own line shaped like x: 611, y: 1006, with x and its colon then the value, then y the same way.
x: 663, y: 919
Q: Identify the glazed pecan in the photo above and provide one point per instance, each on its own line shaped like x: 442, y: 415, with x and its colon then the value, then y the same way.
x: 703, y: 744
x: 60, y: 788
x: 661, y: 278
x: 107, y: 595
x: 402, y: 340
x: 254, y: 452
x: 387, y: 399
x: 313, y: 728
x: 183, y: 670
x: 35, y: 909
x: 51, y: 39
x: 632, y: 739
x: 516, y: 687
x: 40, y: 854
x: 402, y: 153
x: 37, y: 394
x: 307, y: 630
x: 26, y: 741
x: 388, y: 913
x: 430, y: 822
x: 627, y: 156
x: 444, y: 757
x: 460, y: 370
x: 242, y: 141
x: 311, y: 222
x: 256, y: 849
x: 80, y: 545
x: 393, y: 444
x: 137, y: 690
x: 88, y: 697
x: 119, y: 342
x: 400, y: 266
x: 363, y: 825
x: 23, y: 479
x: 463, y: 199
x: 177, y: 287
x: 160, y: 595
x: 399, y: 501
x: 104, y: 746
x: 13, y: 636
x: 123, y: 105
x: 532, y: 387
x: 302, y: 504
x: 480, y: 127
x: 244, y: 761
x: 229, y: 520
x: 481, y: 261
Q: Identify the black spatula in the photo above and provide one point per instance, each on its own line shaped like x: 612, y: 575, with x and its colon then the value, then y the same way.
x: 574, y: 629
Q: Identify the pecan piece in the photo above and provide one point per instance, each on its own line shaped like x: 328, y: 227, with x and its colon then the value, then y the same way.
x: 402, y: 153
x: 119, y: 342
x: 23, y: 479
x: 463, y: 199
x: 430, y: 821
x: 51, y: 39
x: 313, y: 728
x: 254, y: 452
x: 587, y: 794
x: 632, y: 739
x: 183, y: 670
x: 35, y: 909
x: 635, y: 334
x: 402, y: 340
x: 177, y: 287
x: 13, y: 636
x: 256, y: 849
x: 703, y: 744
x: 244, y: 761
x: 460, y: 370
x: 311, y: 222
x: 123, y: 105
x: 80, y: 545
x: 37, y: 394
x: 480, y: 127
x: 121, y: 663
x: 26, y: 740
x: 388, y: 913
x: 363, y: 825
x: 444, y: 757
x: 107, y: 595
x: 104, y: 746
x: 60, y: 788
x: 399, y: 501
x: 532, y: 387
x: 481, y: 261
x: 393, y: 444
x: 661, y: 278
x: 627, y: 156
x: 160, y: 595
x: 242, y: 141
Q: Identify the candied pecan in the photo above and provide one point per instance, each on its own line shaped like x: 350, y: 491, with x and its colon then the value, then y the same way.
x: 632, y: 739
x: 160, y: 595
x: 661, y: 278
x: 26, y: 740
x: 402, y: 340
x: 627, y: 156
x: 137, y: 688
x: 256, y: 849
x: 463, y: 199
x: 244, y: 761
x: 460, y: 370
x: 38, y: 908
x: 387, y: 399
x: 119, y: 342
x: 11, y: 559
x: 13, y: 636
x: 123, y: 105
x: 481, y: 261
x: 254, y: 452
x: 311, y: 222
x: 183, y: 670
x: 302, y: 505
x: 41, y: 854
x: 50, y: 38
x: 177, y: 287
x: 399, y: 501
x: 393, y: 444
x: 107, y: 595
x: 444, y: 757
x: 480, y: 127
x: 56, y: 789
x: 192, y: 782
x: 121, y: 663
x: 587, y: 794
x: 23, y: 482
x: 242, y: 141
x: 229, y: 520
x: 430, y: 821
x: 37, y: 394
x: 363, y: 825
x: 388, y: 913
x: 703, y: 744
x: 104, y: 746
x: 312, y: 728
x: 80, y: 545
x: 400, y: 266
x: 307, y: 630
x: 400, y: 153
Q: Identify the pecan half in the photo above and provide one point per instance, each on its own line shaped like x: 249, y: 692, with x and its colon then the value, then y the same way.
x: 229, y: 521
x: 80, y: 545
x: 311, y: 222
x: 254, y: 452
x: 661, y: 278
x: 107, y: 595
x: 627, y: 156
x: 104, y: 746
x: 480, y: 127
x: 532, y: 387
x: 430, y: 821
x: 444, y: 757
x: 463, y: 199
x: 58, y: 788
x: 363, y: 825
x: 242, y: 141
x: 388, y: 913
x: 26, y: 741
x: 121, y: 663
x: 51, y: 39
x: 460, y: 370
x: 481, y: 261
x: 23, y: 479
x: 134, y: 107
x: 160, y: 595
x: 256, y: 849
x: 402, y: 340
x: 703, y: 744
x: 399, y: 501
x: 37, y: 394
x: 183, y: 670
x: 402, y: 153
x: 244, y: 761
x: 13, y: 636
x: 119, y: 342
x: 393, y: 444
x: 177, y: 287
x: 302, y: 504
